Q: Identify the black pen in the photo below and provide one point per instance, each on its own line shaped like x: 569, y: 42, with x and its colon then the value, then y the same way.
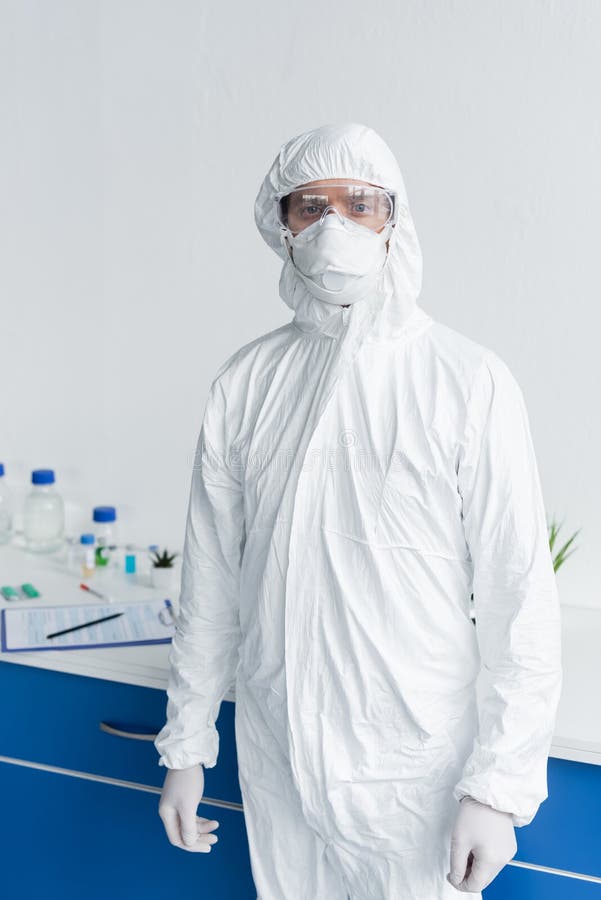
x: 85, y: 625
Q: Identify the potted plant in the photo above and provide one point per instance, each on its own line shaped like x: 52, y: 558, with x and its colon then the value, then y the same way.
x: 162, y: 568
x: 560, y: 557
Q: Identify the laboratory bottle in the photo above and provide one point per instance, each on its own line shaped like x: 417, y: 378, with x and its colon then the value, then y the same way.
x: 87, y: 555
x: 43, y: 514
x: 105, y: 532
x: 6, y: 509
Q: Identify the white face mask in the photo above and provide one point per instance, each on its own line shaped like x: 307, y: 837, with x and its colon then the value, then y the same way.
x: 339, y: 260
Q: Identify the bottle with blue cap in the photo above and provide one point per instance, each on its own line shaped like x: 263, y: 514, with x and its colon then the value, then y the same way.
x: 105, y: 532
x: 43, y: 514
x: 6, y: 509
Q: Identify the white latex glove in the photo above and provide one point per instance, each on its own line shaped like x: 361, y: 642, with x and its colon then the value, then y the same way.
x: 181, y: 794
x: 482, y: 843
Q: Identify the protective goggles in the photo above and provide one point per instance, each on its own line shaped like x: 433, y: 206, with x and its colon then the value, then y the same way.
x: 368, y: 205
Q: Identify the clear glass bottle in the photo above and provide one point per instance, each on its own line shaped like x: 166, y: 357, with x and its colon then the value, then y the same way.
x: 105, y: 532
x: 43, y: 514
x: 6, y: 509
x: 87, y: 555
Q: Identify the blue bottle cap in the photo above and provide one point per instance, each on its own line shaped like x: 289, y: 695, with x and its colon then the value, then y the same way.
x: 104, y: 514
x: 42, y: 476
x: 1, y: 468
x: 87, y: 539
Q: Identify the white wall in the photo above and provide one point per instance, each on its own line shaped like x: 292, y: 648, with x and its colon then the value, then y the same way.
x: 134, y: 139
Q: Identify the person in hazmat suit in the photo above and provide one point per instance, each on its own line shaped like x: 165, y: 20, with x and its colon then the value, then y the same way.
x: 362, y: 472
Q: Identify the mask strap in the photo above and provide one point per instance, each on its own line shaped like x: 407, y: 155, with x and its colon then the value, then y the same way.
x: 283, y: 235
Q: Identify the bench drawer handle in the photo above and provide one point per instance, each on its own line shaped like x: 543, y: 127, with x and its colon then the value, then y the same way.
x: 136, y: 735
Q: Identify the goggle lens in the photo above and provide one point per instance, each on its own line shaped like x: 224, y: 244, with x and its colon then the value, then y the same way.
x: 368, y: 205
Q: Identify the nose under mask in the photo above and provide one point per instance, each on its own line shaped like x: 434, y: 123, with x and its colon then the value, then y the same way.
x: 339, y: 260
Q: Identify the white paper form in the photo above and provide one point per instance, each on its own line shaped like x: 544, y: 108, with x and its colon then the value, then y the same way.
x: 25, y: 628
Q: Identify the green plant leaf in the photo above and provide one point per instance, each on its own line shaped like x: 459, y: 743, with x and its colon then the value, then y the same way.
x: 163, y: 560
x: 561, y: 555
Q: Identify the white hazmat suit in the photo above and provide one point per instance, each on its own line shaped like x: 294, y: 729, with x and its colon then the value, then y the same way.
x: 360, y: 472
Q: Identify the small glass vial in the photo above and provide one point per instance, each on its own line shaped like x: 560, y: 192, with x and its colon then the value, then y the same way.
x: 43, y: 514
x: 87, y: 555
x: 130, y: 562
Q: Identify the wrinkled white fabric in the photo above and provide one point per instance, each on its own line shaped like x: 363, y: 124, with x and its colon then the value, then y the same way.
x: 359, y: 473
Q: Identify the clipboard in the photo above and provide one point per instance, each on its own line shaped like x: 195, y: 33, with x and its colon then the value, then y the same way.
x: 25, y: 628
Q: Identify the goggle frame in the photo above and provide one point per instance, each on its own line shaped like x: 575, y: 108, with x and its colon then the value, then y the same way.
x: 395, y: 213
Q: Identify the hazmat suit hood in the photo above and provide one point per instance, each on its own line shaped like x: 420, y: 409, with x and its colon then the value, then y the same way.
x: 347, y: 150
